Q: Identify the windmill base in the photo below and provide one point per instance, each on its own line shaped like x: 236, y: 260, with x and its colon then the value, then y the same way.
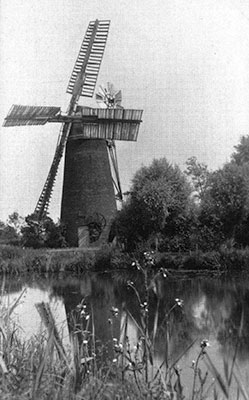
x: 88, y: 200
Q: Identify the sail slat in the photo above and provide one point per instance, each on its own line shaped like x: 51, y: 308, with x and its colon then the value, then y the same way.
x: 29, y: 115
x: 90, y: 56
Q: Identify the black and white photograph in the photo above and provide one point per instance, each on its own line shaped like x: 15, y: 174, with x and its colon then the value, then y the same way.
x: 124, y: 200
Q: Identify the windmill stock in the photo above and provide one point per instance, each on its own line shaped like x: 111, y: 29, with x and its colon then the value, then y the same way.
x: 88, y: 137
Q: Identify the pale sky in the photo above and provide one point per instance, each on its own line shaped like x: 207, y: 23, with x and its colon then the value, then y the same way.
x: 184, y: 62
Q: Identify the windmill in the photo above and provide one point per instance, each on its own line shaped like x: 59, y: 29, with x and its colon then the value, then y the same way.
x: 88, y: 198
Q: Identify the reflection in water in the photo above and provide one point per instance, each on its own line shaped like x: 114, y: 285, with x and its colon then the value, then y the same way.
x: 214, y: 309
x: 25, y: 315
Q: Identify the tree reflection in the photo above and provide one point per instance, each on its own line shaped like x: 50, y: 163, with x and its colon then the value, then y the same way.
x: 213, y: 308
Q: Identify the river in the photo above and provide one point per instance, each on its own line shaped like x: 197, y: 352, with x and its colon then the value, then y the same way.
x: 182, y: 311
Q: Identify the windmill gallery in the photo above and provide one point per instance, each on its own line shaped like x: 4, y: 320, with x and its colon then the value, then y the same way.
x: 88, y: 137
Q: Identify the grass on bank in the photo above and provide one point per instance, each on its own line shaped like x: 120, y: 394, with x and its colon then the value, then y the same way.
x: 17, y: 260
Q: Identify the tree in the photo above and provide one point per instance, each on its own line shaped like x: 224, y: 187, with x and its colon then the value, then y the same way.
x: 241, y: 155
x: 158, y: 197
x: 16, y: 221
x: 10, y: 232
x: 8, y: 235
x: 199, y: 174
x: 43, y: 233
x: 225, y: 205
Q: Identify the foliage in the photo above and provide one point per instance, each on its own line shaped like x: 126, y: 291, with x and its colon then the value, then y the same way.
x: 199, y: 174
x: 225, y: 206
x: 158, y: 198
x: 8, y: 235
x: 241, y: 155
x: 43, y: 233
x: 16, y: 221
x: 10, y: 232
x: 15, y: 260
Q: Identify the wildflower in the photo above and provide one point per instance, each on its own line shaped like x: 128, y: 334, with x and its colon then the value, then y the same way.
x: 164, y: 272
x: 114, y: 360
x: 82, y: 308
x: 136, y: 264
x: 118, y: 348
x: 115, y: 340
x: 204, y: 343
x: 149, y: 258
x: 87, y: 317
x: 144, y: 306
x: 179, y: 302
x: 85, y: 341
x: 114, y: 311
x: 193, y: 364
x: 130, y: 283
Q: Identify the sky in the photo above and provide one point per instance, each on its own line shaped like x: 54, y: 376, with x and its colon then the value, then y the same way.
x: 184, y: 62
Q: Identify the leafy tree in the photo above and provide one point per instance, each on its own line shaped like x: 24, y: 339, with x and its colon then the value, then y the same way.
x: 10, y: 232
x: 241, y: 155
x: 43, y: 233
x: 199, y: 174
x: 16, y: 221
x: 225, y: 205
x: 159, y: 196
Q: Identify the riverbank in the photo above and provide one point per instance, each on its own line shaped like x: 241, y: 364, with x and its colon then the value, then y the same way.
x: 17, y: 260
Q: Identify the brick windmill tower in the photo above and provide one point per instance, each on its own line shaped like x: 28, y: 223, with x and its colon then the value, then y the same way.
x: 88, y: 135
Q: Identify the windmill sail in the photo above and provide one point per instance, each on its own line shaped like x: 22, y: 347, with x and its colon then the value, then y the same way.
x: 108, y: 124
x: 45, y: 196
x: 91, y: 60
x: 82, y: 83
x: 29, y: 115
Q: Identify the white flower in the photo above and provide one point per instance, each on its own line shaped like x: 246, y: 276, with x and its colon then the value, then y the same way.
x: 205, y: 343
x: 114, y: 311
x: 179, y: 302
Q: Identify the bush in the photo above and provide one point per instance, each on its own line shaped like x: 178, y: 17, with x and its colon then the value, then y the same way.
x: 45, y: 233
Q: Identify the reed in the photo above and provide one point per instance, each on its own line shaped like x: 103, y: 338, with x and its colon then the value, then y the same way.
x: 43, y: 368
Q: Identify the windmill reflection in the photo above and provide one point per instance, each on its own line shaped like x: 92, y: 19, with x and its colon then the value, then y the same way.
x: 103, y: 306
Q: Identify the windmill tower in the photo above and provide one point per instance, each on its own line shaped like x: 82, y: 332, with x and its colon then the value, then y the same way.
x: 88, y: 198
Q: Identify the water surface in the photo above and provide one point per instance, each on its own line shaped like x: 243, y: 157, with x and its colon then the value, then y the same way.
x: 213, y: 308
